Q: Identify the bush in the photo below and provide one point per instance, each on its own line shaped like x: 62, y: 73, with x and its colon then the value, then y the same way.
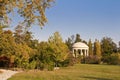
x: 69, y: 61
x: 92, y: 60
x: 112, y: 59
x: 64, y: 63
x: 32, y: 65
x: 50, y: 67
x: 40, y: 66
x: 72, y: 60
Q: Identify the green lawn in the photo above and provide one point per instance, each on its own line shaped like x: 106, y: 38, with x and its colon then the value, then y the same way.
x: 77, y: 72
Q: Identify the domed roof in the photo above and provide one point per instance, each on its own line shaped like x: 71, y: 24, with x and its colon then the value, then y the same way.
x: 79, y: 45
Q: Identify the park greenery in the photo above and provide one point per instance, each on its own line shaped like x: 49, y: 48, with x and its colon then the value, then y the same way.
x: 76, y: 72
x: 105, y: 51
x: 18, y: 49
x: 32, y: 11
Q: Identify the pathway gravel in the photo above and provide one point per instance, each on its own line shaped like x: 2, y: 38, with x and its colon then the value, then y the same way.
x: 6, y: 74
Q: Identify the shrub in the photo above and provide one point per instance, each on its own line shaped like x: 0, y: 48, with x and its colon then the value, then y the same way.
x: 64, y: 63
x: 50, y: 67
x: 114, y: 59
x: 92, y: 60
x: 72, y: 60
x: 32, y: 65
x: 69, y: 61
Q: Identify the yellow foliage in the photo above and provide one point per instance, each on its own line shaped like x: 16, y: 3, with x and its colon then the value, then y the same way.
x: 25, y: 9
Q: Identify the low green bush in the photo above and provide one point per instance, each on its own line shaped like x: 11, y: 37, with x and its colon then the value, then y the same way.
x: 113, y: 59
x: 92, y: 60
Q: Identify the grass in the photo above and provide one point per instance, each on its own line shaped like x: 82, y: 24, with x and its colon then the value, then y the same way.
x: 77, y: 72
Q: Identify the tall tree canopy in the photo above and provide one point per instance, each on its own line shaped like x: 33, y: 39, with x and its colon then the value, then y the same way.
x: 90, y: 47
x: 78, y: 39
x: 59, y: 47
x: 119, y: 47
x: 97, y: 48
x: 69, y: 42
x: 31, y: 10
x: 108, y: 46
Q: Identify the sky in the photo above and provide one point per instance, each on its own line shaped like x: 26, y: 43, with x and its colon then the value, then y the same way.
x: 92, y: 19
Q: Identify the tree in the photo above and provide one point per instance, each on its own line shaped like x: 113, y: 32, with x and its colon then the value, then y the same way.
x: 78, y: 39
x: 45, y: 57
x: 31, y: 10
x: 97, y: 48
x: 58, y: 46
x: 70, y: 42
x: 119, y: 44
x: 119, y: 47
x: 28, y: 38
x: 90, y: 47
x: 8, y: 46
x: 22, y: 35
x: 108, y: 46
x: 22, y: 56
x: 84, y: 41
x: 19, y: 34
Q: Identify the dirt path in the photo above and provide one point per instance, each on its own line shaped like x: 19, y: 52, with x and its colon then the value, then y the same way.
x: 6, y: 74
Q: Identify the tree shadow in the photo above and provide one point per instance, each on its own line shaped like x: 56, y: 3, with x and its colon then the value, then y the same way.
x: 96, y: 78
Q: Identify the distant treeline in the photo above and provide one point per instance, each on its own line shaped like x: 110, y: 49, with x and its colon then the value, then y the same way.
x: 18, y: 49
x: 104, y: 51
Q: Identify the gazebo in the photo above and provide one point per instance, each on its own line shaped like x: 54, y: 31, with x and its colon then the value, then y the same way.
x: 81, y: 49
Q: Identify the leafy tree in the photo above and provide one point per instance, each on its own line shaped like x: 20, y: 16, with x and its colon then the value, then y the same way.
x: 30, y: 10
x: 108, y: 46
x: 23, y: 54
x: 19, y: 38
x: 78, y: 39
x: 45, y: 56
x: 28, y: 39
x: 97, y: 48
x: 119, y: 47
x: 8, y: 45
x: 59, y: 47
x: 69, y: 42
x: 84, y: 41
x: 22, y: 36
x: 90, y: 47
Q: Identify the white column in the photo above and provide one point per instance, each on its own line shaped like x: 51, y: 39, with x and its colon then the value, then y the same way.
x: 73, y: 52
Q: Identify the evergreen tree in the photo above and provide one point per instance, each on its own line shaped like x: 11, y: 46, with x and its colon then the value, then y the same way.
x: 97, y: 48
x: 84, y: 42
x: 78, y: 39
x: 90, y: 47
x: 70, y: 42
x: 108, y: 46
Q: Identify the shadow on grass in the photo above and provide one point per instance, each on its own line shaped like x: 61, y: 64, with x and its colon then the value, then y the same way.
x: 96, y: 78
